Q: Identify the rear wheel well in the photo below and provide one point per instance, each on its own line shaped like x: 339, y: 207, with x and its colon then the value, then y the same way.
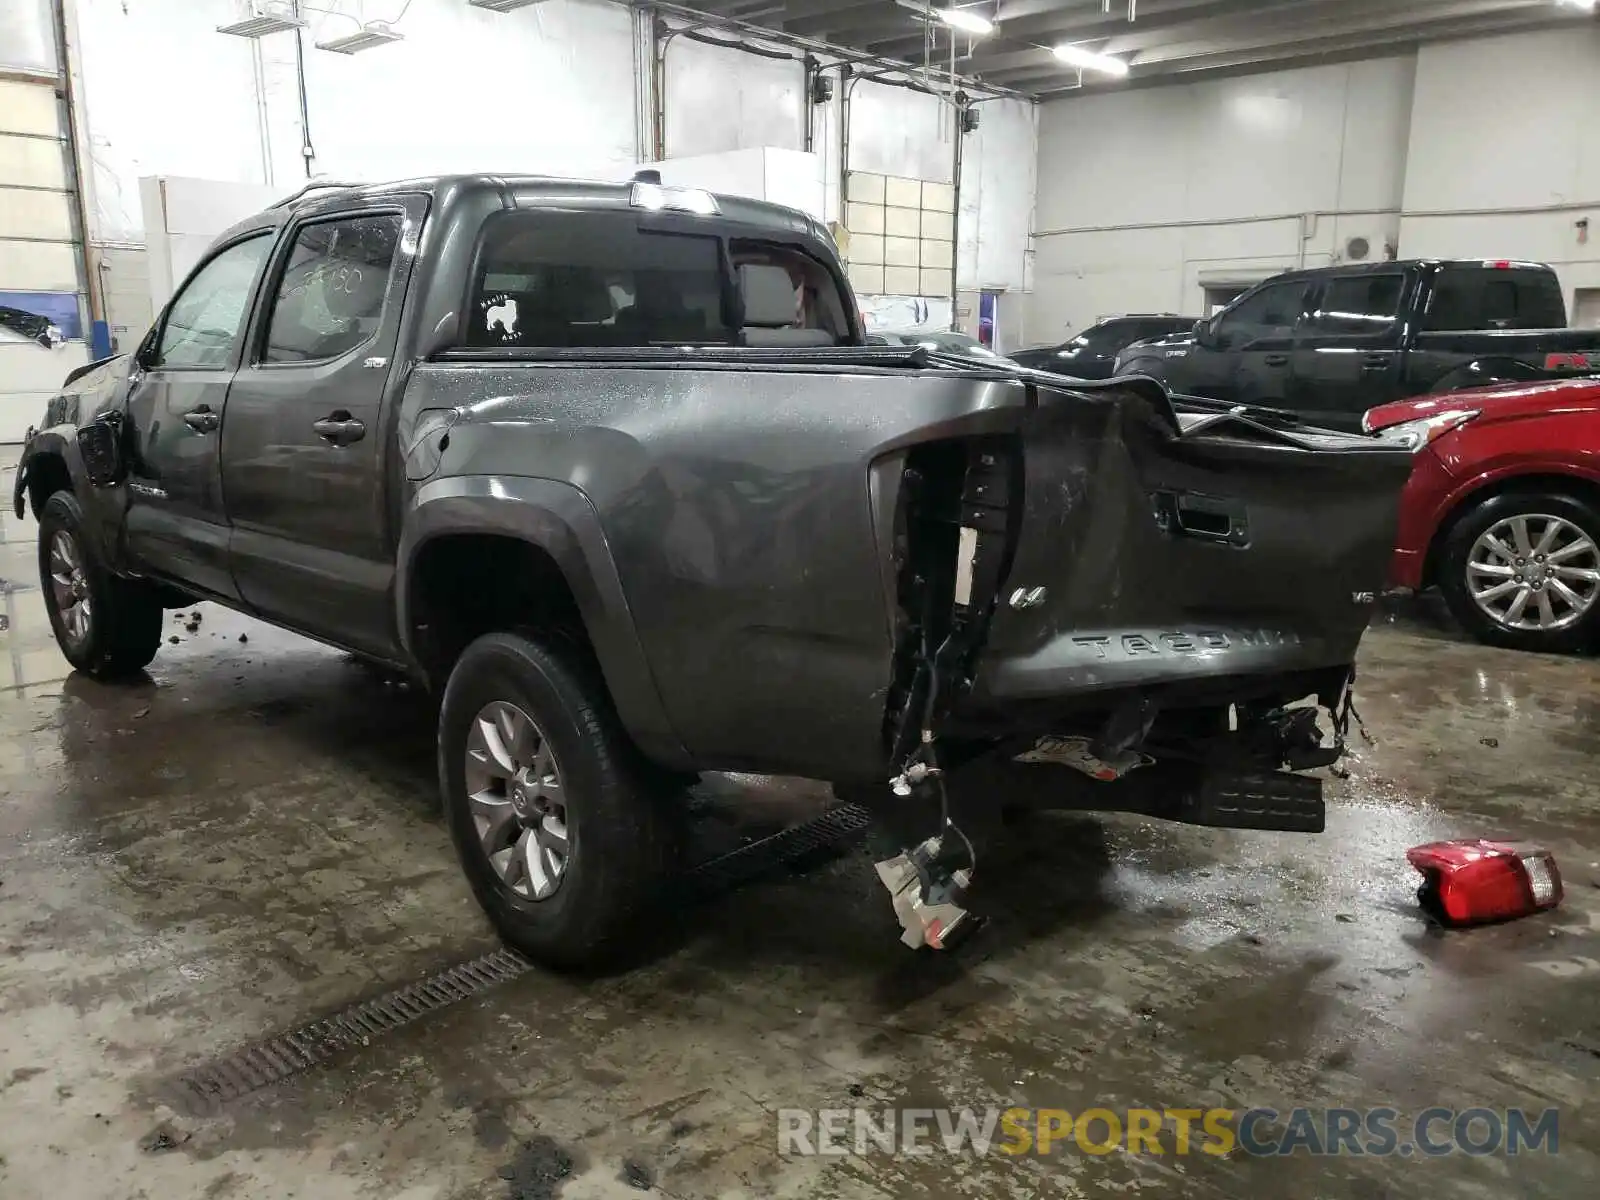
x: 1570, y: 485
x: 466, y: 585
x: 47, y: 475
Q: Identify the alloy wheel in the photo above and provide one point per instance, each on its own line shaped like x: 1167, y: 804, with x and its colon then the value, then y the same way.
x: 517, y: 800
x: 1534, y: 571
x: 69, y: 587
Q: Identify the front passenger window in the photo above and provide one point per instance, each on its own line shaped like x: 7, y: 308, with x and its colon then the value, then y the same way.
x: 330, y: 299
x: 1270, y: 312
x: 206, y: 320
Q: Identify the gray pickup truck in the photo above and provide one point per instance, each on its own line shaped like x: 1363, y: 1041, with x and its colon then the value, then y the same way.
x: 611, y: 468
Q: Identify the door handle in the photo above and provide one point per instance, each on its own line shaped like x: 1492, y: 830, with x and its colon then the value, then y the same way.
x: 1374, y: 362
x: 340, y: 428
x: 1276, y: 360
x: 202, y: 419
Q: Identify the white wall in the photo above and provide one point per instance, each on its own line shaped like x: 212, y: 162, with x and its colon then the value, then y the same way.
x: 549, y: 88
x: 1516, y: 166
x: 1145, y: 195
x: 999, y: 168
x: 722, y: 99
x: 1466, y: 149
x: 39, y: 257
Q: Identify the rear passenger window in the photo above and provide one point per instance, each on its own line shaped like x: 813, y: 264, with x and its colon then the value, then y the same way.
x: 566, y: 279
x: 1359, y: 304
x: 330, y: 299
x: 1494, y: 298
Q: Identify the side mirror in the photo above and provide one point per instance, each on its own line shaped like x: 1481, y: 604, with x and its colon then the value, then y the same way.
x: 145, y: 356
x: 1208, y: 335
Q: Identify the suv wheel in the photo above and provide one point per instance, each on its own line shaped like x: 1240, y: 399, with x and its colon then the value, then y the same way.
x: 1522, y: 570
x: 562, y: 839
x: 106, y: 627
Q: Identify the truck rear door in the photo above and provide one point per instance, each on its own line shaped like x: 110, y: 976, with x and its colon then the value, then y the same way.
x: 303, y: 447
x: 1348, y: 356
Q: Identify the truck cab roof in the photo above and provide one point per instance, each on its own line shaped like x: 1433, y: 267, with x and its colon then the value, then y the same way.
x: 446, y: 192
x: 1387, y: 266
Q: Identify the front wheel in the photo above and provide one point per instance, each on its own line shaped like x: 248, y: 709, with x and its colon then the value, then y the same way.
x: 106, y: 626
x: 1522, y: 570
x: 562, y: 836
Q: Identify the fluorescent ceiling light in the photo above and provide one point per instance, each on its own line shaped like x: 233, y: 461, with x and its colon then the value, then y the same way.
x: 502, y: 5
x: 373, y: 33
x: 967, y: 22
x: 1088, y: 60
x: 279, y: 18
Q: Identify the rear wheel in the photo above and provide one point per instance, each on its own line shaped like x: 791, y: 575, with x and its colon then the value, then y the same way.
x: 1522, y: 570
x: 562, y: 836
x: 106, y: 626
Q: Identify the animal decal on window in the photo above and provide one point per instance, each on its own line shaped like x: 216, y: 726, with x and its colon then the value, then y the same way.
x: 500, y: 316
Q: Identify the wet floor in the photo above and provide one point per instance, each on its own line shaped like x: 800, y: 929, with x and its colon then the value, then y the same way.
x: 248, y: 841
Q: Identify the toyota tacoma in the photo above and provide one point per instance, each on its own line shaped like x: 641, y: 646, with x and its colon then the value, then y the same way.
x: 612, y: 469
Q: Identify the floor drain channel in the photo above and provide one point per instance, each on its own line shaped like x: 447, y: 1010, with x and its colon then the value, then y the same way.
x: 203, y: 1090
x: 833, y: 828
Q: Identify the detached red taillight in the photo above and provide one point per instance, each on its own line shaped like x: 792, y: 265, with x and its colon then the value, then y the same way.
x: 1474, y: 881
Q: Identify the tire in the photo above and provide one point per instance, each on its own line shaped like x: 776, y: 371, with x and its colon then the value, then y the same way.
x: 1469, y: 560
x: 119, y: 630
x: 619, y: 829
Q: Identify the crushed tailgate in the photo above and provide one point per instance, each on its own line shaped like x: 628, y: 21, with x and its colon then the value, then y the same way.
x: 1154, y: 551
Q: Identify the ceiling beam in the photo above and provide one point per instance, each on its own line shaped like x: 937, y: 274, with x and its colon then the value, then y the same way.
x: 838, y: 16
x: 1077, y: 24
x: 1365, y: 44
x: 1409, y: 21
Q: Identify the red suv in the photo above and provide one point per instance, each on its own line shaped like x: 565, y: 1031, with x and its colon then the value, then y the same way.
x: 1502, y: 511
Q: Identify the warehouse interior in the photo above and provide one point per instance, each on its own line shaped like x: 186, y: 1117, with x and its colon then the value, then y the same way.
x: 238, y: 955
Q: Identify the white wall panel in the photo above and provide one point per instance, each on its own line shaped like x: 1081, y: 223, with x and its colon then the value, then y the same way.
x: 164, y: 93
x: 28, y: 108
x: 43, y: 163
x: 722, y: 99
x: 1541, y: 154
x: 544, y: 90
x: 27, y: 36
x: 898, y: 132
x: 999, y: 165
x: 1142, y: 193
x: 27, y: 213
x: 39, y: 266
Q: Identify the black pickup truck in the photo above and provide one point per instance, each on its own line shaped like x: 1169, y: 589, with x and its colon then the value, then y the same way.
x: 611, y: 468
x: 1329, y: 344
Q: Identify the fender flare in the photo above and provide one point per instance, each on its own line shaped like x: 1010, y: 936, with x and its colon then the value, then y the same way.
x: 558, y: 519
x: 102, y: 507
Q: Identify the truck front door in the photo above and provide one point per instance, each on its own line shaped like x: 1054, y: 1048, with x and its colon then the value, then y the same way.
x: 176, y: 526
x: 1259, y: 331
x: 303, y: 451
x: 1348, y: 357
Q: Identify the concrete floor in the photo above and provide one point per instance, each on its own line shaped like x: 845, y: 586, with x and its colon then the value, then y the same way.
x: 249, y: 840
